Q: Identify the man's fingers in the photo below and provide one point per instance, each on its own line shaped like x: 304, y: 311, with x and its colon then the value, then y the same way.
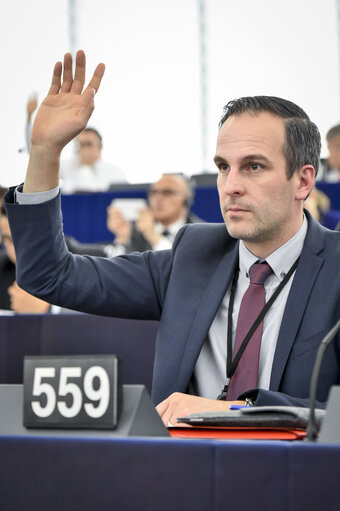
x: 56, y: 79
x: 165, y: 411
x: 79, y: 75
x: 168, y: 418
x: 75, y: 85
x: 67, y: 75
x: 165, y: 417
x: 97, y: 77
x: 162, y: 407
x: 94, y: 84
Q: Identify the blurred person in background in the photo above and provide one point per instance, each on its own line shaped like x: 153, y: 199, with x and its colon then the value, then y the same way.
x: 3, y: 191
x: 317, y: 203
x: 170, y: 200
x: 12, y: 297
x: 330, y: 166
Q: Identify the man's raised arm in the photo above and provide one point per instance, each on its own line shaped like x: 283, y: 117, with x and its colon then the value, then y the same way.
x: 62, y: 115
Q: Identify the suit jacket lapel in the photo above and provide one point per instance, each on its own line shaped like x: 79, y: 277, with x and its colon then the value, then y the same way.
x: 210, y: 302
x: 305, y: 276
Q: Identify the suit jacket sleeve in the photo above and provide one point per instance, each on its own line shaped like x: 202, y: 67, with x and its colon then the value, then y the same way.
x: 132, y: 287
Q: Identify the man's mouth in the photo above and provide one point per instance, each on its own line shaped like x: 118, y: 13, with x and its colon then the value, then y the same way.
x: 236, y: 209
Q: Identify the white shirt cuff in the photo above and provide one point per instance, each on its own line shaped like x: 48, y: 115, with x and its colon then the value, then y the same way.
x: 114, y: 250
x: 35, y: 198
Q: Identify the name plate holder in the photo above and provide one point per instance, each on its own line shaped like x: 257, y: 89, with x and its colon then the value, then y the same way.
x: 76, y: 391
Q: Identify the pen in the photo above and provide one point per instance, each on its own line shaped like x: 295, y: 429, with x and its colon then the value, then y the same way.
x: 237, y: 407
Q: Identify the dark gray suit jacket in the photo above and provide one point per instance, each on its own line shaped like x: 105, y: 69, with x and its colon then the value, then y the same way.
x: 183, y: 288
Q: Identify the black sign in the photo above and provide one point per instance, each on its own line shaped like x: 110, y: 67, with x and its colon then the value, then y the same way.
x: 82, y: 391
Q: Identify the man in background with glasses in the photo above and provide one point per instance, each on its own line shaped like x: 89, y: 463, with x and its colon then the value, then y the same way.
x: 155, y: 228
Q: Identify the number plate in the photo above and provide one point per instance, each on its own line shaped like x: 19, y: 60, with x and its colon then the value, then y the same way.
x: 83, y: 391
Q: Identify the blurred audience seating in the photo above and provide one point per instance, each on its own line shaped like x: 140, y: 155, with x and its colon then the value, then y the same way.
x: 85, y: 214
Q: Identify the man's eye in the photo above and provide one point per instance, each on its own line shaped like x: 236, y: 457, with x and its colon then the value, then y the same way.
x: 255, y: 167
x: 223, y: 167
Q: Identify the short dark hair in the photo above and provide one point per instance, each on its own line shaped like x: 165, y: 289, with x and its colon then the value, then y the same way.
x: 333, y: 132
x: 96, y: 132
x: 303, y: 142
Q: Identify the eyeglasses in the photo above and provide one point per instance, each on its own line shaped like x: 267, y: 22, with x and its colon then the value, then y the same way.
x: 165, y: 192
x: 82, y: 145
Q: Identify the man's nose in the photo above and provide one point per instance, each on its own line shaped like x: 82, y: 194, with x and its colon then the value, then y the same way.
x: 234, y: 183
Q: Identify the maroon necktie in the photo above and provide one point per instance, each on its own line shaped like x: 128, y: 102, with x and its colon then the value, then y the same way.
x: 253, y: 301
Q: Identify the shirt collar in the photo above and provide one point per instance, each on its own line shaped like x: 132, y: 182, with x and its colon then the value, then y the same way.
x: 172, y: 228
x: 282, y: 259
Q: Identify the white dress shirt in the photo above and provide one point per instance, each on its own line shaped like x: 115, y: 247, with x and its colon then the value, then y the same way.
x: 89, y: 178
x: 210, y: 370
x: 164, y: 243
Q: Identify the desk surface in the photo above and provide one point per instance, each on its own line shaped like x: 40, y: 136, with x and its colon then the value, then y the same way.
x: 77, y: 470
x: 85, y: 471
x: 39, y: 473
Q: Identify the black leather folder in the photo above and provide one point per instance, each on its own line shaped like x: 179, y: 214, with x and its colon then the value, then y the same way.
x: 261, y: 417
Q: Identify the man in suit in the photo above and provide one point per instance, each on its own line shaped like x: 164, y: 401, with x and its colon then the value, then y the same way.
x: 156, y: 226
x: 267, y: 155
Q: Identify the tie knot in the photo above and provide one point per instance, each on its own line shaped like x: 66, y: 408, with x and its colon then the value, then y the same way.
x: 259, y: 272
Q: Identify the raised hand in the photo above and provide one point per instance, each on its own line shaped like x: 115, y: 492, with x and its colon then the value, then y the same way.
x: 67, y: 108
x: 62, y: 115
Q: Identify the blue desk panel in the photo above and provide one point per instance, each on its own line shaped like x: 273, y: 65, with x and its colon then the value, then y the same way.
x: 166, y: 474
x: 333, y: 192
x: 331, y: 219
x: 85, y: 214
x: 75, y: 334
x: 287, y: 476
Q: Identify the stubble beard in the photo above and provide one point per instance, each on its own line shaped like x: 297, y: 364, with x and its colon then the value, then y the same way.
x: 256, y: 230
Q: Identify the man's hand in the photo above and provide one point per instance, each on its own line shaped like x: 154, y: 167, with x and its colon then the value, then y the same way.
x: 145, y: 224
x: 23, y: 302
x: 62, y: 115
x: 180, y: 405
x: 67, y: 108
x: 118, y: 225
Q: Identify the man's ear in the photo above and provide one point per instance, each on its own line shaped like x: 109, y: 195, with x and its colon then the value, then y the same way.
x: 306, y: 178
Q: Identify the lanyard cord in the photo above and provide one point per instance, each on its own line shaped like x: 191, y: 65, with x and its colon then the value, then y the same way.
x: 232, y: 364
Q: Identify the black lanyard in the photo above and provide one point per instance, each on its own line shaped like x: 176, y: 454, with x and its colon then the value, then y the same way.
x: 232, y: 364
